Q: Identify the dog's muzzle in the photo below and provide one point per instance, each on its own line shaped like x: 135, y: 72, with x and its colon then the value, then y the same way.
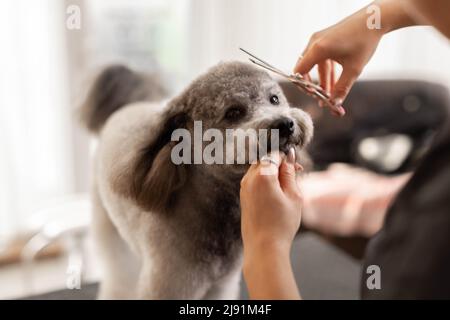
x: 286, y: 131
x: 285, y: 126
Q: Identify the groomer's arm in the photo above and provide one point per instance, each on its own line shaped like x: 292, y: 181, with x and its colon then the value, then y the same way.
x: 433, y: 12
x: 351, y: 43
x: 271, y: 204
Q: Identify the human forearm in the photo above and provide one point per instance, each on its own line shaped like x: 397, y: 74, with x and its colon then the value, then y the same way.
x: 433, y: 12
x: 271, y: 207
x: 268, y: 273
x: 394, y: 16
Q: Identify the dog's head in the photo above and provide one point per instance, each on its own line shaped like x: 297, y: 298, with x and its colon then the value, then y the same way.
x: 228, y: 97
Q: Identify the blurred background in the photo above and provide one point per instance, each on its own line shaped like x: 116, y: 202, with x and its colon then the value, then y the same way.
x: 50, y: 50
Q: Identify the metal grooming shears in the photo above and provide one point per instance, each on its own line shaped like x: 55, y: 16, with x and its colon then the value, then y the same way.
x: 298, y: 80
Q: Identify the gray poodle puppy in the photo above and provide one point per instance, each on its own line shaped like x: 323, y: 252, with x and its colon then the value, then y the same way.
x: 166, y: 230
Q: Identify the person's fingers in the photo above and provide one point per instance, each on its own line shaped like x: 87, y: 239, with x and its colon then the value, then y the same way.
x: 343, y: 85
x: 313, y: 55
x: 306, y: 74
x: 307, y: 77
x: 246, y: 176
x: 323, y: 68
x: 287, y: 175
x: 263, y: 174
x: 332, y: 75
x: 298, y: 167
x: 274, y: 158
x: 329, y: 67
x: 271, y: 159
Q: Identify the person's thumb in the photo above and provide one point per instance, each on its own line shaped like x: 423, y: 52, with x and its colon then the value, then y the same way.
x: 287, y: 174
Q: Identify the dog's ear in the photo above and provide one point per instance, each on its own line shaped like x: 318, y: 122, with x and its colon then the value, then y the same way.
x: 154, y: 178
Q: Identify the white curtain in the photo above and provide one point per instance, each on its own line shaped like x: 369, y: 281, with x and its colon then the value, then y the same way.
x: 35, y: 151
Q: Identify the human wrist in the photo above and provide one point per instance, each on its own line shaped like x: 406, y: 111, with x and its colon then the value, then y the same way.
x: 268, y: 274
x: 262, y: 252
x: 393, y: 15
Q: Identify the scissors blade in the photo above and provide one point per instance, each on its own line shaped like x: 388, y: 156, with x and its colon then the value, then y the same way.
x: 281, y: 73
x: 260, y: 60
x: 302, y: 84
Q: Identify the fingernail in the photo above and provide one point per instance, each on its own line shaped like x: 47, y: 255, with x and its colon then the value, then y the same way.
x: 291, y: 156
x: 341, y: 111
x: 298, y: 167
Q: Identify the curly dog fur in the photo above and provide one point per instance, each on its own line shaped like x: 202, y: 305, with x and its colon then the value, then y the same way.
x: 167, y: 231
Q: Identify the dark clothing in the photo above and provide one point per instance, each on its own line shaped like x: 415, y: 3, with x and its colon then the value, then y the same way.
x: 413, y: 247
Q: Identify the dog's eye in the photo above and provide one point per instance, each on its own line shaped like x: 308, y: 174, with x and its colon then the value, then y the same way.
x: 274, y: 100
x: 235, y: 113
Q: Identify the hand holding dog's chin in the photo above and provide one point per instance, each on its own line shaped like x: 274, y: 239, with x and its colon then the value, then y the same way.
x: 270, y: 214
x: 270, y: 205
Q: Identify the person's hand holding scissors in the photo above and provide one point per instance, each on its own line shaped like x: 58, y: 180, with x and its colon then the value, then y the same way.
x: 351, y: 43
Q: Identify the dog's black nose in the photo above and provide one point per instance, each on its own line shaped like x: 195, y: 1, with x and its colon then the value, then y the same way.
x: 285, y: 126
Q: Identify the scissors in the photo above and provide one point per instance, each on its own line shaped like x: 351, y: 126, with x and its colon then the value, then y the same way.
x: 308, y: 87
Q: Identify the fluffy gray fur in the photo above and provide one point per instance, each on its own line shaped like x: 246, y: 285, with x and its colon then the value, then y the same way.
x: 173, y: 232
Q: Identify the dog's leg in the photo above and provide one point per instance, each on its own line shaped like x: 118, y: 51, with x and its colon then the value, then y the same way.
x: 119, y: 267
x: 226, y: 288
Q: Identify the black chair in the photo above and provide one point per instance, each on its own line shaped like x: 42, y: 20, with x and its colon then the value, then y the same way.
x: 374, y: 109
x: 378, y: 108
